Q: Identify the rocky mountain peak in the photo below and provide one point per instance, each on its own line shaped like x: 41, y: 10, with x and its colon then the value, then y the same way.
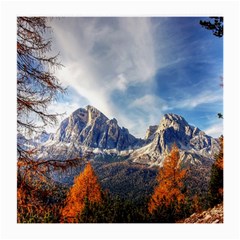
x: 87, y: 115
x: 194, y: 144
x: 150, y: 132
x: 172, y: 120
x: 173, y: 117
x: 94, y: 113
x: 113, y: 121
x: 79, y: 114
x: 90, y: 128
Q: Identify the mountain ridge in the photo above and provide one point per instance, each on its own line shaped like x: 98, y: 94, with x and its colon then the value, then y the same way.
x: 89, y: 130
x: 120, y: 159
x: 193, y: 143
x: 92, y: 128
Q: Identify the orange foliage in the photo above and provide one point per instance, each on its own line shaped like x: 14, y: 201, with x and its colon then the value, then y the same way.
x: 28, y: 202
x: 219, y: 161
x: 170, y: 182
x: 86, y: 185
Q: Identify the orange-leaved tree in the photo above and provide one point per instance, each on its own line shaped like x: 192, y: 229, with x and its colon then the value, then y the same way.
x: 219, y: 160
x: 37, y: 89
x: 86, y: 187
x: 168, y: 192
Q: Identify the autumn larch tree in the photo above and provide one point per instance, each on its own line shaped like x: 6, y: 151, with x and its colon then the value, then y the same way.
x: 86, y: 189
x: 37, y: 87
x: 168, y: 193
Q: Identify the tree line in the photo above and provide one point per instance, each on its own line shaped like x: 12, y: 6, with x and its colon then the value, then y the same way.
x: 87, y: 202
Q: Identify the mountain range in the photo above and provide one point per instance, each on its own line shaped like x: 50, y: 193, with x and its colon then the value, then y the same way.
x: 127, y: 165
x: 87, y: 130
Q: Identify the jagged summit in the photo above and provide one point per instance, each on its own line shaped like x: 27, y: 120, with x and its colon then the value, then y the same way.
x: 88, y: 129
x: 173, y: 116
x: 114, y: 151
x: 172, y: 120
x: 92, y: 108
x: 150, y: 132
x: 88, y: 114
x: 193, y: 143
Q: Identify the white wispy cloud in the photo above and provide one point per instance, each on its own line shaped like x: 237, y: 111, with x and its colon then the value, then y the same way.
x: 216, y: 130
x: 202, y: 98
x: 149, y: 102
x: 121, y: 82
x: 151, y: 109
x: 62, y: 108
x: 107, y: 60
x: 191, y: 102
x: 104, y: 55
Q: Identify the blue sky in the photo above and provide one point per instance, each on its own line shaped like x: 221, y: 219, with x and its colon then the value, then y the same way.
x: 138, y: 69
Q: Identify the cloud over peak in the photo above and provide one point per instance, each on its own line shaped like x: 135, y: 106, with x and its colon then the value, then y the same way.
x: 135, y: 68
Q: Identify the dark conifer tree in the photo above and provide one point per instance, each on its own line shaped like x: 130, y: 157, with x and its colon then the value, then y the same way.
x: 216, y: 181
x: 215, y: 25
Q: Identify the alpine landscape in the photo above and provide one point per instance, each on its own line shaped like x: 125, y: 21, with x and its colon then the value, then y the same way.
x: 141, y: 139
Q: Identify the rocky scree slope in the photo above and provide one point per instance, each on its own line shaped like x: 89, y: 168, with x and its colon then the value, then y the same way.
x: 212, y: 215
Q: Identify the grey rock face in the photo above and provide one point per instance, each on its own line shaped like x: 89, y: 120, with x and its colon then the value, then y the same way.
x: 175, y: 129
x: 194, y: 145
x: 150, y: 132
x: 89, y: 130
x: 89, y: 127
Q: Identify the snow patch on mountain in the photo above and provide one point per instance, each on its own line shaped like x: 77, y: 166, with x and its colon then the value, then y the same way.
x: 194, y: 144
x: 87, y: 131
